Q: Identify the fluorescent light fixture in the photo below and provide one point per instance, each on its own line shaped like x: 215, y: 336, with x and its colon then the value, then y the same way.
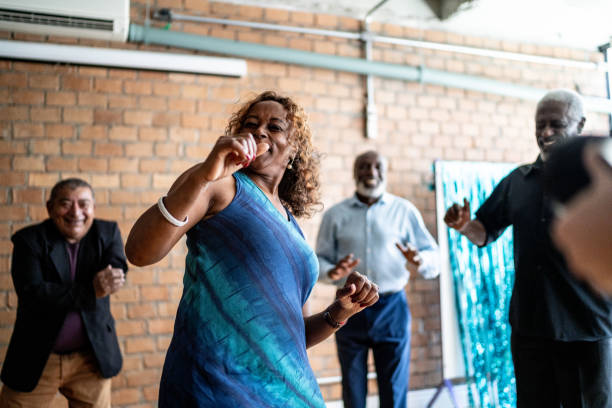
x: 111, y: 57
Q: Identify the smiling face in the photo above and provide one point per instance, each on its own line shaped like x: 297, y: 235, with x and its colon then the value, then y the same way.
x: 553, y: 124
x: 370, y: 174
x: 72, y: 212
x: 267, y: 122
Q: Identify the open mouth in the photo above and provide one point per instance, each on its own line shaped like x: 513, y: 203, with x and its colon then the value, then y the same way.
x: 73, y: 223
x: 548, y: 142
x: 370, y: 182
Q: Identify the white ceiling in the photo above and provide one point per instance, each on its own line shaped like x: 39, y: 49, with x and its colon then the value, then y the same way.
x: 582, y: 24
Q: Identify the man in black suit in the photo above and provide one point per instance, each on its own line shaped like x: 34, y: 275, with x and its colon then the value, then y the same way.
x: 64, y: 270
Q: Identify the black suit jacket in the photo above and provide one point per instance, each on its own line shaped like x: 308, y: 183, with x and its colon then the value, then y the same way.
x: 46, y: 293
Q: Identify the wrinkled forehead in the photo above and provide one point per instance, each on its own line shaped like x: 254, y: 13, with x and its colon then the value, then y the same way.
x: 552, y: 108
x: 72, y: 194
x: 268, y: 108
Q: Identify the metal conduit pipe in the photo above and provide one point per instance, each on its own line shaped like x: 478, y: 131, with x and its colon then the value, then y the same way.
x: 169, y: 16
x: 158, y: 36
x: 605, y: 49
x: 371, y: 114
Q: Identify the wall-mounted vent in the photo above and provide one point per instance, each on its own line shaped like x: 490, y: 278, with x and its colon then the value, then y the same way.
x: 106, y: 20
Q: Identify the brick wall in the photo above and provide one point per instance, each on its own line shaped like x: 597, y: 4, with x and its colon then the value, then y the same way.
x: 131, y: 133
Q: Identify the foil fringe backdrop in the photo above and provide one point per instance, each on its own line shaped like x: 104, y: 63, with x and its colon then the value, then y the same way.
x: 483, y: 279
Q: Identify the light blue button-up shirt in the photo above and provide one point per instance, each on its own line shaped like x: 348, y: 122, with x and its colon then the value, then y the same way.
x: 370, y: 234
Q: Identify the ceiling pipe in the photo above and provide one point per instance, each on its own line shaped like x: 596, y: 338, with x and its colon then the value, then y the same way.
x: 371, y: 114
x: 605, y: 50
x: 169, y: 16
x: 158, y: 36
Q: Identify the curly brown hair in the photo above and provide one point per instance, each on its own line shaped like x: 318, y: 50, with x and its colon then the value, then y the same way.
x: 299, y: 187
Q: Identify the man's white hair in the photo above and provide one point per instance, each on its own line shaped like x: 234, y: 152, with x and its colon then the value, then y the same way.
x: 573, y: 100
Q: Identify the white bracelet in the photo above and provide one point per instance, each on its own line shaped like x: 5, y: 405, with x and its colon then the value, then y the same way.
x: 167, y: 215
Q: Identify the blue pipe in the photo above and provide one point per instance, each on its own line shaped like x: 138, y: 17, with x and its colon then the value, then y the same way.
x: 150, y: 35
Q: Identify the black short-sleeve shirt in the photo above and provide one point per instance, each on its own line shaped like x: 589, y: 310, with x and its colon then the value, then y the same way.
x: 547, y: 300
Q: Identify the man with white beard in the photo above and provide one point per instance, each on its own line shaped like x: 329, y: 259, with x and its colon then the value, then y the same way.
x: 386, y: 236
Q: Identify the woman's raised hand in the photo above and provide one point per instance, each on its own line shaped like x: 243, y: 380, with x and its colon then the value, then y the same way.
x: 230, y: 154
x: 357, y: 294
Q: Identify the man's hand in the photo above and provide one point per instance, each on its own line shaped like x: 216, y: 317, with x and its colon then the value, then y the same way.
x: 457, y: 216
x: 411, y: 253
x: 357, y: 294
x: 108, y: 281
x: 343, y: 267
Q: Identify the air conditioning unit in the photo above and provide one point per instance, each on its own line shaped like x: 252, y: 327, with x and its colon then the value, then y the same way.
x: 99, y: 19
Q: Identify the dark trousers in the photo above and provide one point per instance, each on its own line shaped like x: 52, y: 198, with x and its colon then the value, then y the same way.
x: 553, y: 374
x: 384, y: 328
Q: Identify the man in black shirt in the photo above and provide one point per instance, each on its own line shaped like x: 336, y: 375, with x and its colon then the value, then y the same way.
x: 561, y: 329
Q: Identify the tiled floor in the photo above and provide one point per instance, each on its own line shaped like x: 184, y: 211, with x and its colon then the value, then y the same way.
x: 420, y: 399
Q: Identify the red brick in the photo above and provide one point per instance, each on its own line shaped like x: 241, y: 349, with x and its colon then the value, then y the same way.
x: 28, y: 97
x: 143, y: 377
x: 124, y: 197
x: 46, y: 114
x: 130, y: 328
x: 125, y: 396
x: 194, y: 121
x: 12, y: 213
x: 76, y: 83
x: 89, y: 164
x: 121, y: 101
x: 61, y: 98
x: 183, y: 105
x: 104, y: 116
x: 61, y: 164
x: 92, y: 99
x: 139, y: 311
x: 126, y: 294
x: 95, y: 132
x: 166, y: 89
x: 108, y: 149
x: 12, y: 147
x: 47, y: 147
x: 161, y: 326
x: 137, y: 87
x: 13, y: 79
x: 154, y: 360
x: 123, y: 133
x: 78, y: 115
x: 59, y: 131
x: 26, y: 131
x: 135, y: 181
x: 154, y: 293
x: 38, y: 179
x: 105, y: 181
x: 137, y: 118
x: 81, y: 148
x: 108, y: 85
x: 28, y: 163
x: 166, y: 119
x: 153, y: 102
x: 13, y: 113
x: 166, y: 149
x: 43, y: 81
x: 153, y: 165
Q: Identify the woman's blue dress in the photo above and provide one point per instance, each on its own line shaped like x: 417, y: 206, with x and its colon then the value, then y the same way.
x: 239, y: 337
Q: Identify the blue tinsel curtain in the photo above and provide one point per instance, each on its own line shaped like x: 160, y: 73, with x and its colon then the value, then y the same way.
x: 483, y: 281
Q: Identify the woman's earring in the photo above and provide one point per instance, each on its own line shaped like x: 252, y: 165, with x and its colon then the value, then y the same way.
x: 290, y: 164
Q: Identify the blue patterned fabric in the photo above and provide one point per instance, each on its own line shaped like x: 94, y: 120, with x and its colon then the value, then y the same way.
x: 239, y: 337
